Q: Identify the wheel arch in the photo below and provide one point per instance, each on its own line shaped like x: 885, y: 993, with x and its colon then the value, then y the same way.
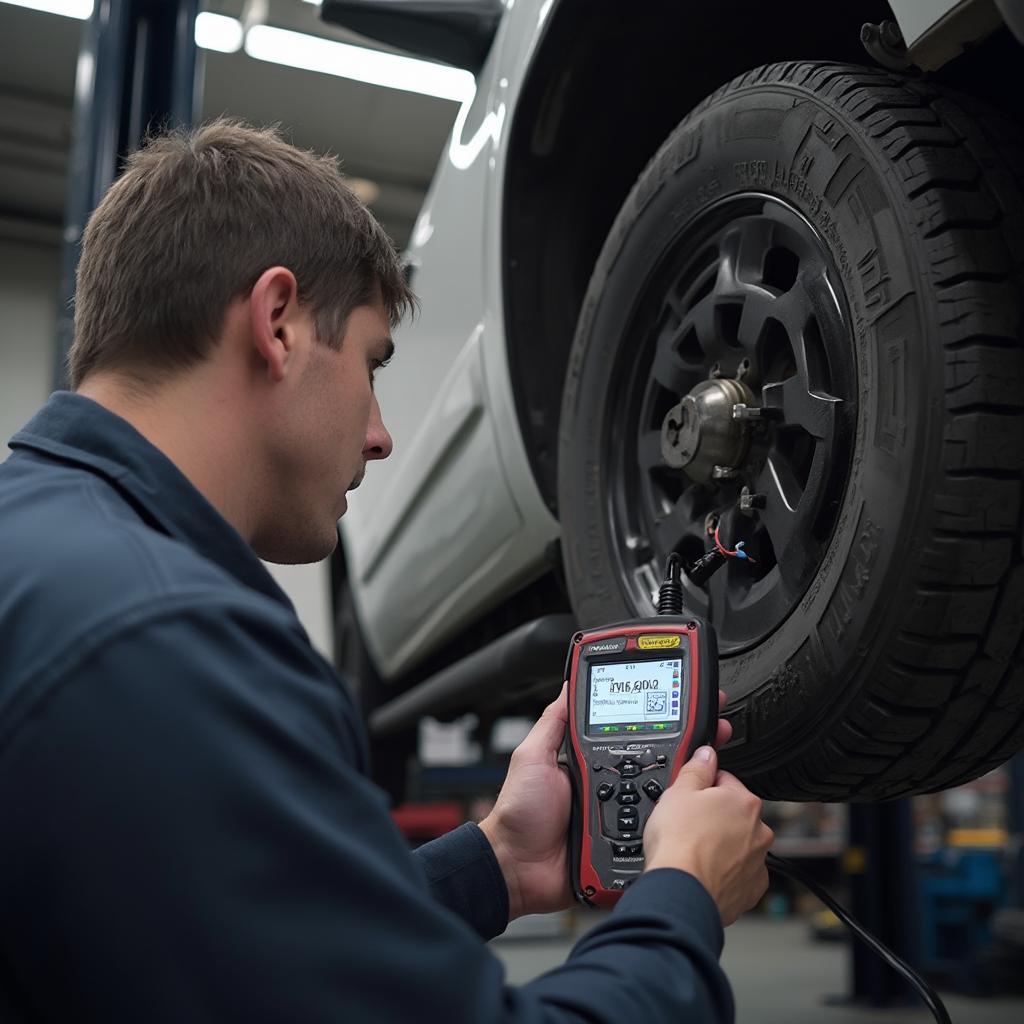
x: 580, y: 136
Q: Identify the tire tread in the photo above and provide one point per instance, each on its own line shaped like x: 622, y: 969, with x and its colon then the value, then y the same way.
x: 948, y: 704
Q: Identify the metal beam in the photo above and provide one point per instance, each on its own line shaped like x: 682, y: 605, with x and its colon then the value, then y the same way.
x: 525, y: 662
x: 138, y: 70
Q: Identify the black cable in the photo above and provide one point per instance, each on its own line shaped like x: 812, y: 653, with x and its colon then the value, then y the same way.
x: 670, y: 597
x: 705, y: 567
x: 927, y: 993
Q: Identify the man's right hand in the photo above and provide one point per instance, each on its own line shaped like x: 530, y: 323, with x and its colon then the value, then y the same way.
x: 709, y: 824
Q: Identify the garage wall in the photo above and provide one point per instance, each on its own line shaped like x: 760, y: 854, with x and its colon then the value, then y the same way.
x: 29, y: 273
x: 309, y: 588
x: 29, y: 276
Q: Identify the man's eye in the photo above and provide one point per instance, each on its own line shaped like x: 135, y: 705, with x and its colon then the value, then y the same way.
x: 377, y: 364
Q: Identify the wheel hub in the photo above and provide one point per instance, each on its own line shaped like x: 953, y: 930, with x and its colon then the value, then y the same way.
x: 701, y: 436
x: 736, y: 401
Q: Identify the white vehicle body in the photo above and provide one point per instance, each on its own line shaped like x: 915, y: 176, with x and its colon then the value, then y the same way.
x: 454, y: 518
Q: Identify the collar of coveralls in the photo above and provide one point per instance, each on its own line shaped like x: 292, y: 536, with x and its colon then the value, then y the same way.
x: 73, y: 429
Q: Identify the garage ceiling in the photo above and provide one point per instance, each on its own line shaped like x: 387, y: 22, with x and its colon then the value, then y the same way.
x: 391, y: 137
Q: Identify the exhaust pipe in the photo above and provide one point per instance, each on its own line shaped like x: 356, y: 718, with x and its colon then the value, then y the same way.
x: 528, y: 661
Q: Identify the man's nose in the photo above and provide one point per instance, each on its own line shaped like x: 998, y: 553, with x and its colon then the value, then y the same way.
x: 378, y: 441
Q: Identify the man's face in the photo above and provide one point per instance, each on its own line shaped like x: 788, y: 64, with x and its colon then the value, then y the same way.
x: 328, y: 432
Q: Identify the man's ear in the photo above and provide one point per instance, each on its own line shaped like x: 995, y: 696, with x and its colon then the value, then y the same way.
x: 273, y: 315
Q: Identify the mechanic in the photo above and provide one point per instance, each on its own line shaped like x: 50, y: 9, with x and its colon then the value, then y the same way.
x: 189, y: 833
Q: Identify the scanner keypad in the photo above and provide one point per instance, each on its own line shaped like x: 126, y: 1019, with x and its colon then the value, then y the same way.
x: 623, y: 817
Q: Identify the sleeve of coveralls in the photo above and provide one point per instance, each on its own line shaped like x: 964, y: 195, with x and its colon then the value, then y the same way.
x: 464, y: 875
x: 192, y: 843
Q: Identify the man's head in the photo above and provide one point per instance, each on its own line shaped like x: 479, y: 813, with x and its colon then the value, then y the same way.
x: 241, y: 276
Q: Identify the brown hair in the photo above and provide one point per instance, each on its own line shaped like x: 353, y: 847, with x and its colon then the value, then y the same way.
x: 191, y: 224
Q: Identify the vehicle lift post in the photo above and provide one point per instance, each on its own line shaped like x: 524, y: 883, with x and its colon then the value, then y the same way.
x: 138, y: 69
x: 881, y: 865
x: 1015, y: 816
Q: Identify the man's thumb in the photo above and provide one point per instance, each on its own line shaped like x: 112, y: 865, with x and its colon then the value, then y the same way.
x: 699, y: 771
x: 544, y: 739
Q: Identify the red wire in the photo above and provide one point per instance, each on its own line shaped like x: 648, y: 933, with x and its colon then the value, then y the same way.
x: 720, y: 546
x: 726, y: 551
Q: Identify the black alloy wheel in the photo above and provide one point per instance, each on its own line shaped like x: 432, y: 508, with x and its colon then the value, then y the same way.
x: 806, y: 327
x: 739, y: 386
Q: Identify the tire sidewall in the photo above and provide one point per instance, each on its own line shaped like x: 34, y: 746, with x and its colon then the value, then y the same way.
x: 807, y: 671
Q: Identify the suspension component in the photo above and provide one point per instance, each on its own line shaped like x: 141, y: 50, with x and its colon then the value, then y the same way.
x: 750, y: 503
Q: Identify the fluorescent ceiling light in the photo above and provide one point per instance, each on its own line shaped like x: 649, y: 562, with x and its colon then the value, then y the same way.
x: 368, y: 191
x: 80, y: 9
x: 312, y: 53
x: 216, y: 32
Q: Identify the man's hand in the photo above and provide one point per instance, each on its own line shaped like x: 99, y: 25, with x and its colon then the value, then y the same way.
x: 709, y: 824
x: 529, y: 825
x: 528, y: 829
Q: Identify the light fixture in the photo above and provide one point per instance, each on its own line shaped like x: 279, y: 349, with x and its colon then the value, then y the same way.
x: 368, y: 191
x: 301, y: 50
x: 313, y: 53
x: 217, y: 32
x: 80, y: 9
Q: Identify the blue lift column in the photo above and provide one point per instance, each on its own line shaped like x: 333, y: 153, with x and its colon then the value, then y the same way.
x: 884, y: 888
x: 137, y: 71
x: 1015, y: 815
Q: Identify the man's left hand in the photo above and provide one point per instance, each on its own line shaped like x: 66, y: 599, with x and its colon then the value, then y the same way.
x: 528, y: 829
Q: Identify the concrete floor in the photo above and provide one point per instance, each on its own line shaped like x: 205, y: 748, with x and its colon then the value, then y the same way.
x: 779, y: 976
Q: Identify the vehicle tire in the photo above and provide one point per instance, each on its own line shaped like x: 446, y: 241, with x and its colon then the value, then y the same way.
x: 845, y: 248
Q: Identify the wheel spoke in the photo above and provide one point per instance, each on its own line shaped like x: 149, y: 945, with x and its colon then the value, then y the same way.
x: 782, y: 497
x: 701, y: 318
x: 743, y: 248
x: 815, y: 411
x: 679, y: 303
x: 672, y: 528
x: 758, y: 306
x: 728, y: 286
x: 739, y: 271
x: 671, y: 371
x: 798, y: 341
x: 718, y: 596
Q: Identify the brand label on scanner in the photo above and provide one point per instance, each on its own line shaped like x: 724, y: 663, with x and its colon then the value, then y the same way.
x: 658, y: 643
x: 606, y: 646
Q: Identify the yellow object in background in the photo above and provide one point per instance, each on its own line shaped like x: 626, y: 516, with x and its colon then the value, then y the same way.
x: 977, y: 838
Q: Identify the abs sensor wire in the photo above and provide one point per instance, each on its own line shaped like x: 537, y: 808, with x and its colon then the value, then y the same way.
x: 736, y: 552
x: 931, y: 998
